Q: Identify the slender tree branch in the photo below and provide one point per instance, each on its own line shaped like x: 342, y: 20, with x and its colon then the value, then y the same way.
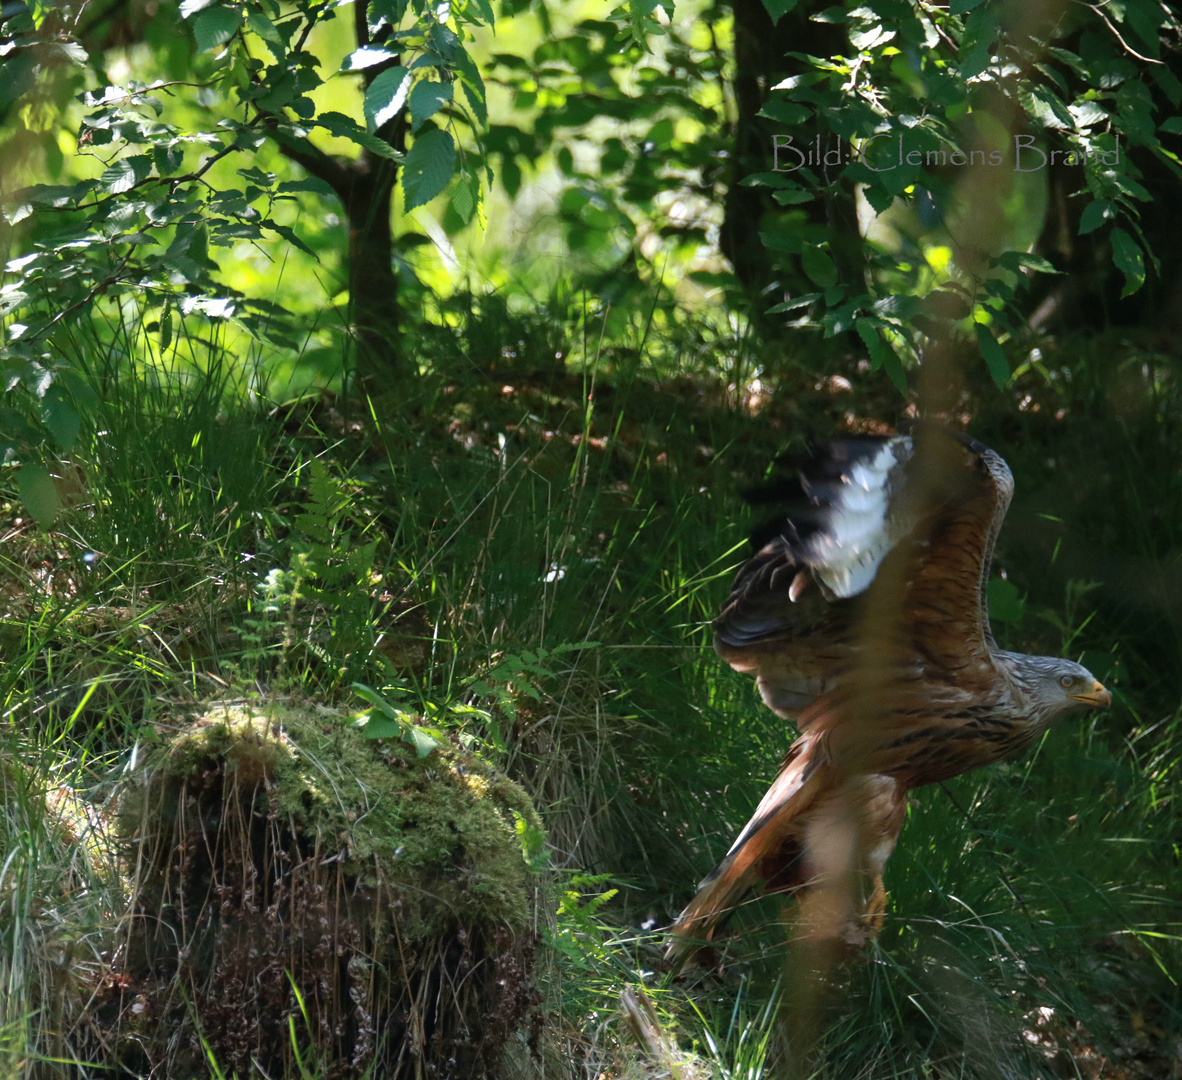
x: 1095, y: 9
x: 91, y: 293
x: 361, y: 22
x: 84, y: 32
x: 313, y: 16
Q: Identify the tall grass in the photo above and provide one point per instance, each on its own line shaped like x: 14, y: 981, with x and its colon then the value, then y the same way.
x: 516, y: 505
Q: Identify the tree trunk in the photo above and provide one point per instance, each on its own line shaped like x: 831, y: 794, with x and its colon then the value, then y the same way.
x: 761, y: 63
x: 373, y: 284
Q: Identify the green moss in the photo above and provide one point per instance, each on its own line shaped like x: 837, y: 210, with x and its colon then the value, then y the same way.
x: 284, y: 866
x: 440, y: 831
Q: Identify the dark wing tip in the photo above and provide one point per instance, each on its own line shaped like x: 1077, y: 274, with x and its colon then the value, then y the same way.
x: 755, y: 609
x: 804, y: 498
x: 841, y: 516
x: 834, y: 532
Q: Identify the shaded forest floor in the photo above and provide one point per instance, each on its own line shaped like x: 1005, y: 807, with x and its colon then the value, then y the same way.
x: 531, y: 494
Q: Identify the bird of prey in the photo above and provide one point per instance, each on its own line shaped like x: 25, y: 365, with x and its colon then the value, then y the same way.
x: 864, y: 620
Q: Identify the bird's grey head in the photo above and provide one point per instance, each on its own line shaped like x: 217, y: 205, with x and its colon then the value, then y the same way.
x: 1054, y: 687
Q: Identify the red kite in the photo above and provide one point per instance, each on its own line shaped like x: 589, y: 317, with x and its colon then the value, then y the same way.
x: 864, y: 620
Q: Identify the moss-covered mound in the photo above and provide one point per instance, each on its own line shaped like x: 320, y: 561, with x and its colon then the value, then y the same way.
x: 300, y: 890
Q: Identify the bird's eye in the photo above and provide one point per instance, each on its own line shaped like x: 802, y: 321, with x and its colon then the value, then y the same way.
x: 1067, y: 681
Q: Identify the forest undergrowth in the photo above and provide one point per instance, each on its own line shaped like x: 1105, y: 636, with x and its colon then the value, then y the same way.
x: 524, y: 549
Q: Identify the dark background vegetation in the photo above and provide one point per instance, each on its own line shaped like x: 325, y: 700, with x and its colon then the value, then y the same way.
x: 522, y: 279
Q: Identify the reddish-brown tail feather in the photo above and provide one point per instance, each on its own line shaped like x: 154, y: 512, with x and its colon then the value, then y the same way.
x: 766, y: 851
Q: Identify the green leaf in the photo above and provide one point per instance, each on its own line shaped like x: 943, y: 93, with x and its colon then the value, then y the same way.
x: 817, y: 264
x: 38, y: 493
x: 783, y: 238
x: 38, y: 379
x: 312, y: 184
x: 442, y: 45
x: 392, y: 11
x: 980, y: 32
x: 261, y: 25
x: 1126, y: 253
x: 464, y: 198
x: 1145, y: 18
x: 473, y: 84
x: 1036, y: 262
x: 168, y: 159
x: 777, y: 9
x: 793, y: 197
x: 882, y: 355
x: 878, y: 197
x: 289, y: 234
x: 214, y: 26
x: 429, y: 166
x: 420, y: 740
x: 366, y: 693
x: 55, y: 195
x: 383, y: 727
x: 837, y: 320
x: 794, y: 304
x: 343, y: 127
x: 1049, y: 109
x: 60, y: 417
x: 574, y: 646
x: 974, y: 59
x: 868, y: 332
x: 213, y: 307
x: 281, y: 90
x: 188, y: 255
x: 15, y: 428
x: 995, y: 357
x: 871, y: 36
x: 126, y: 173
x: 786, y: 112
x: 386, y: 96
x: 769, y: 180
x: 641, y: 21
x: 425, y: 101
x: 365, y: 57
x: 394, y: 722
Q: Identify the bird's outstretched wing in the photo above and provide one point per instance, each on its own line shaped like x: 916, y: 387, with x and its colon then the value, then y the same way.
x: 770, y: 846
x: 818, y: 830
x: 864, y: 618
x: 899, y: 528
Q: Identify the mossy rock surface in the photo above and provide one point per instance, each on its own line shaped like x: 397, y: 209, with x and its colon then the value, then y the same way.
x: 286, y: 868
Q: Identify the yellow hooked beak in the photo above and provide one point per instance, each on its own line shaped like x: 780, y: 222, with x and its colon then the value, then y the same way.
x: 1098, y: 697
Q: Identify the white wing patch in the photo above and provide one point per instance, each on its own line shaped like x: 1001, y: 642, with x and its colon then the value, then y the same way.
x: 859, y: 531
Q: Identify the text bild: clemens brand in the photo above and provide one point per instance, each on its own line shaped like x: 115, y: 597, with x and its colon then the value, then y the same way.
x: 788, y: 157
